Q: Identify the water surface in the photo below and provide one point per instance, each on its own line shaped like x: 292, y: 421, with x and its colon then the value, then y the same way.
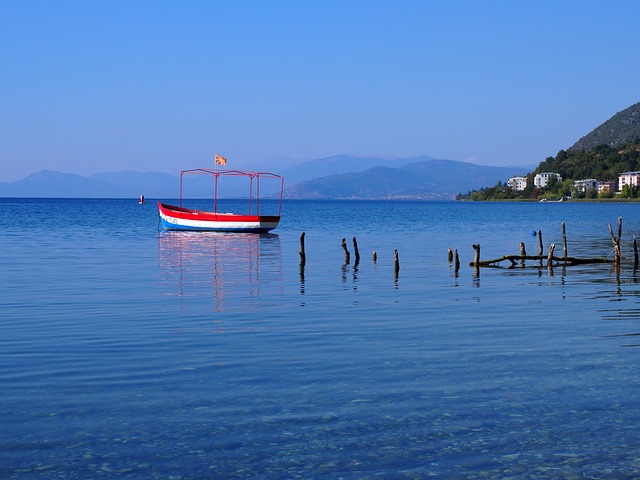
x: 127, y: 352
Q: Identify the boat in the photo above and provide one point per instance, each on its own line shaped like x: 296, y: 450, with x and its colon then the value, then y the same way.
x: 141, y: 201
x: 253, y: 220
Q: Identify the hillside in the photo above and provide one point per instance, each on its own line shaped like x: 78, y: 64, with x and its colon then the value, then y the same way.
x: 622, y: 128
x: 601, y: 162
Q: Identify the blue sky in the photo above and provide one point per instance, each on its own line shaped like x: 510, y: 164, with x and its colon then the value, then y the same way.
x: 94, y: 86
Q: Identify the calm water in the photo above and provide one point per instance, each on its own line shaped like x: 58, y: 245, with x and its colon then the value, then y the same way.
x: 126, y: 352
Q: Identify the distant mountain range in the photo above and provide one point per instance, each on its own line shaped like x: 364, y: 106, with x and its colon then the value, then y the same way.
x: 337, y: 177
x: 51, y: 184
x: 427, y: 180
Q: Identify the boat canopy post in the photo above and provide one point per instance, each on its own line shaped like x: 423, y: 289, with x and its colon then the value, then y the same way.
x: 251, y: 193
x: 181, y: 174
x: 281, y: 190
x: 215, y: 193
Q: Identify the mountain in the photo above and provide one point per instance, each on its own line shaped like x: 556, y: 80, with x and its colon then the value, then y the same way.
x: 48, y: 183
x: 428, y: 179
x: 51, y: 184
x: 339, y: 164
x: 622, y: 128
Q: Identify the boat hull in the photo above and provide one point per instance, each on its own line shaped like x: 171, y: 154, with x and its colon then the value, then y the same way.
x: 179, y: 218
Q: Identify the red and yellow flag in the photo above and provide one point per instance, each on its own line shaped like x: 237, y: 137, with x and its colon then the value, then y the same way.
x: 220, y: 160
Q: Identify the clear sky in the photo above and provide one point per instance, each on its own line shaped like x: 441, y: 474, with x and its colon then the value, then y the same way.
x: 95, y: 86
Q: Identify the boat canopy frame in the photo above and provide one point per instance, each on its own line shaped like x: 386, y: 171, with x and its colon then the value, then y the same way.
x: 251, y: 175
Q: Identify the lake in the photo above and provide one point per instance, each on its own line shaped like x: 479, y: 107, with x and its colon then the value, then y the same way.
x: 129, y: 352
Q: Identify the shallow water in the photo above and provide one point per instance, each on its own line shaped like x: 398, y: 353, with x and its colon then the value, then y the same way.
x: 126, y: 352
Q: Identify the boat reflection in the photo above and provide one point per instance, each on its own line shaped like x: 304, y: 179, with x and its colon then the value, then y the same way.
x: 237, y: 271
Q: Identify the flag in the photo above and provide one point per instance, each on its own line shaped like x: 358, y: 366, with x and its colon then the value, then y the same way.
x: 220, y: 160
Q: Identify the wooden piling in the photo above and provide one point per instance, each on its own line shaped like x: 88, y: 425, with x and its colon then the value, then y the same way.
x: 347, y: 255
x: 476, y: 260
x: 456, y: 261
x: 616, y: 240
x: 552, y: 247
x: 476, y: 256
x: 540, y: 247
x: 564, y: 240
x: 374, y: 256
x: 450, y: 255
x: 635, y: 252
x: 619, y: 228
x: 396, y: 263
x: 355, y: 250
x: 303, y: 256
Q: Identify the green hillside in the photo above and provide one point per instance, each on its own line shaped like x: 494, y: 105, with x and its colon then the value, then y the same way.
x: 610, y: 149
x: 622, y: 128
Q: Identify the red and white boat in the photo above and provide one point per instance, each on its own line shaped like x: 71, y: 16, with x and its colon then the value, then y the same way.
x: 178, y: 217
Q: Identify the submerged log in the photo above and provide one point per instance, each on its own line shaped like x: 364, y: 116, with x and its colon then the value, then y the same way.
x: 552, y: 260
x: 561, y: 260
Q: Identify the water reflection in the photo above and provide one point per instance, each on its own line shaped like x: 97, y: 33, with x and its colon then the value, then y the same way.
x: 235, y: 270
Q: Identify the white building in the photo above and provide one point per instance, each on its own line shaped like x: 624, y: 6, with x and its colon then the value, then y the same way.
x: 628, y: 178
x: 541, y: 180
x: 584, y: 185
x: 517, y: 183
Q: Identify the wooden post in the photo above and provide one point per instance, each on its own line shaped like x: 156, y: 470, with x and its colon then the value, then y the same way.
x: 635, y: 252
x: 616, y: 241
x: 374, y: 256
x: 619, y: 228
x: 476, y: 260
x: 564, y: 241
x: 523, y: 253
x: 396, y: 263
x: 347, y: 255
x: 456, y: 262
x: 552, y: 247
x: 303, y: 256
x: 540, y: 248
x: 450, y: 255
x: 355, y: 249
x: 476, y: 256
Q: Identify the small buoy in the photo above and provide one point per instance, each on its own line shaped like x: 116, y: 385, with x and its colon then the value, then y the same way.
x: 533, y: 233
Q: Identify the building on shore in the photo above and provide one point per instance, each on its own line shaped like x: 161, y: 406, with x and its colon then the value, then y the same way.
x: 628, y: 178
x: 517, y: 183
x: 543, y: 179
